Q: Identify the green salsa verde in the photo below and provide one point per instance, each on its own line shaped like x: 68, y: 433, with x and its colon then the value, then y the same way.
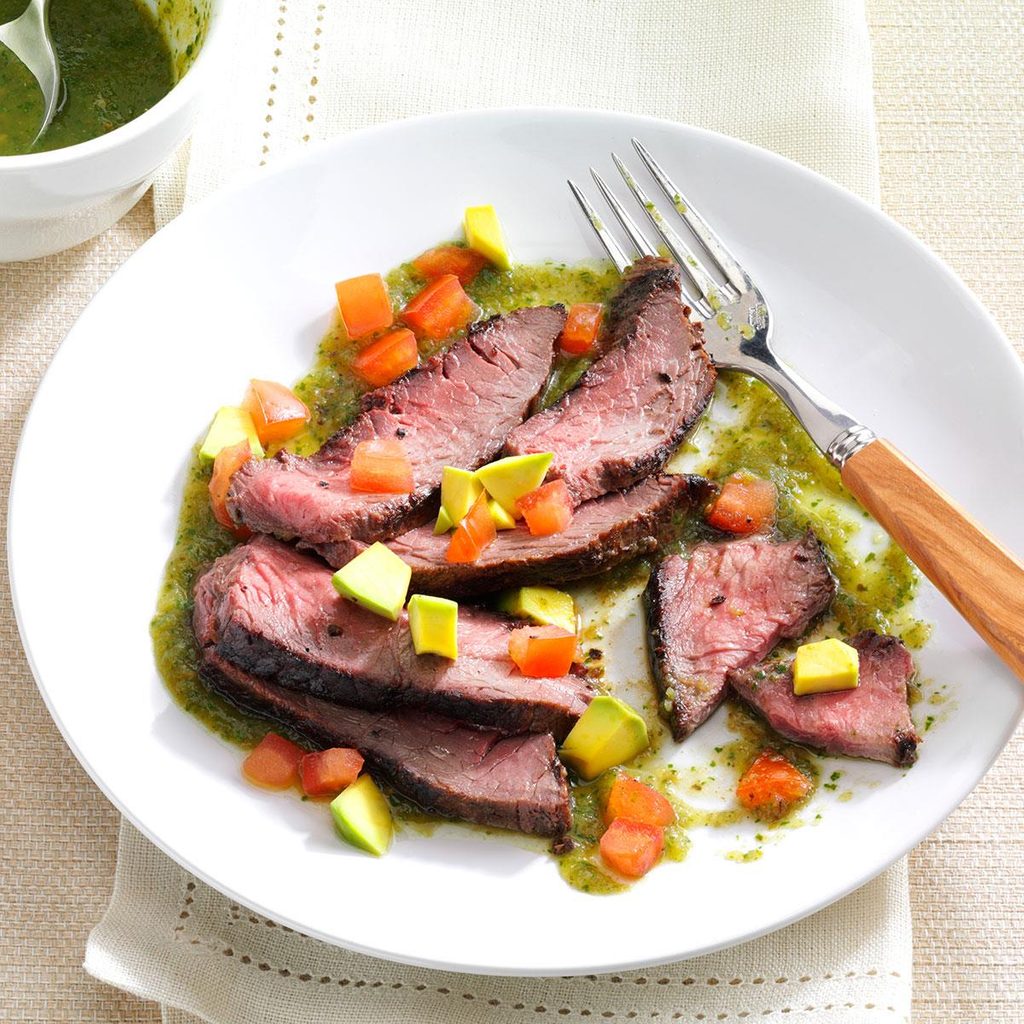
x: 115, y: 65
x: 748, y: 428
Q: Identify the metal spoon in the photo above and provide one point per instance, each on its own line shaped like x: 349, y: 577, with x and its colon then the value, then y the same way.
x: 28, y: 38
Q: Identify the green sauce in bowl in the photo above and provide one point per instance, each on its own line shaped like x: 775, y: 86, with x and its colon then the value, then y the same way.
x: 115, y: 64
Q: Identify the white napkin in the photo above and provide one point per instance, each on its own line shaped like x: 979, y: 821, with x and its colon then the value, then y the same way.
x: 792, y: 75
x: 170, y: 937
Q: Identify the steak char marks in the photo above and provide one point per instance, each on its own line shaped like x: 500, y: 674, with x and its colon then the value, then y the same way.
x: 871, y: 721
x: 604, y: 533
x: 273, y: 612
x: 447, y: 768
x: 634, y: 405
x: 726, y: 607
x: 456, y: 410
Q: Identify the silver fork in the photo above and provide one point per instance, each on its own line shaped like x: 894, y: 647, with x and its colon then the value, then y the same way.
x: 980, y: 577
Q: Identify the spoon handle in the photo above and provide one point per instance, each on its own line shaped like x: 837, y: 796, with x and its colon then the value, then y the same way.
x: 979, y: 577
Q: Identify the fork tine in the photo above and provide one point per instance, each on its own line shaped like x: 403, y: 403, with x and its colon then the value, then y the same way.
x: 681, y: 252
x: 615, y: 252
x: 639, y: 239
x: 714, y: 246
x: 636, y: 236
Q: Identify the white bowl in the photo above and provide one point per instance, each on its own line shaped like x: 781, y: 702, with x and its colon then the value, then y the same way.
x: 54, y: 200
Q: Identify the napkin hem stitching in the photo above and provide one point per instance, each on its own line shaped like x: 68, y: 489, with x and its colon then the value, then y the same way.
x: 213, y: 944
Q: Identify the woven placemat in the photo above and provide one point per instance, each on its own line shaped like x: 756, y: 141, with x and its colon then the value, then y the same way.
x: 949, y: 100
x: 949, y: 97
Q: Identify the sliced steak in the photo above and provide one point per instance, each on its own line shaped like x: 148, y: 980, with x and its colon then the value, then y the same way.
x: 274, y: 612
x: 604, y: 533
x: 445, y: 767
x: 634, y: 405
x: 456, y: 410
x: 872, y: 721
x: 725, y: 607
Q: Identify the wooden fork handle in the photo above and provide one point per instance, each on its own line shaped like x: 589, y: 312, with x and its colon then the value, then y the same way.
x: 980, y: 578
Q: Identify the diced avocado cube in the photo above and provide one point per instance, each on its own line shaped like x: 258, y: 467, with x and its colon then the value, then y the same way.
x: 230, y: 426
x: 502, y: 520
x: 363, y: 816
x: 483, y: 233
x: 825, y: 666
x: 459, y: 489
x: 444, y: 522
x: 508, y: 479
x: 543, y: 605
x: 434, y: 624
x: 608, y: 733
x: 377, y: 579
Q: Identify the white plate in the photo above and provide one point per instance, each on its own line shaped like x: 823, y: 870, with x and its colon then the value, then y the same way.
x: 241, y: 286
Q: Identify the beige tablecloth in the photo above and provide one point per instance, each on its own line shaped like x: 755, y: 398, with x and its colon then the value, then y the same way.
x: 949, y: 99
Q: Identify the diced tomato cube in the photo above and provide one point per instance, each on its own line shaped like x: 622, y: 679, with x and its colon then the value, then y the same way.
x: 632, y: 848
x: 441, y: 309
x: 474, y: 533
x: 273, y: 763
x: 542, y: 652
x: 548, y: 509
x: 464, y: 263
x: 387, y: 358
x: 772, y: 786
x: 277, y: 412
x: 579, y: 335
x: 381, y: 467
x: 364, y: 304
x: 227, y: 462
x: 328, y: 772
x: 746, y: 504
x: 630, y: 798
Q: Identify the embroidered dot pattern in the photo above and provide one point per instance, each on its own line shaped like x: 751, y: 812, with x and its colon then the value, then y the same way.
x: 239, y: 917
x: 275, y: 70
x: 314, y: 80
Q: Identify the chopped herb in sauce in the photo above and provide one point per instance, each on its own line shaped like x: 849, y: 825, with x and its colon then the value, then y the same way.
x: 115, y: 65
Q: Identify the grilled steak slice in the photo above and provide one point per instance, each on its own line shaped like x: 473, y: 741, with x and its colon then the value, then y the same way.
x: 872, y: 721
x: 725, y: 608
x: 634, y: 405
x: 447, y: 768
x: 274, y: 612
x: 458, y: 409
x: 604, y: 533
